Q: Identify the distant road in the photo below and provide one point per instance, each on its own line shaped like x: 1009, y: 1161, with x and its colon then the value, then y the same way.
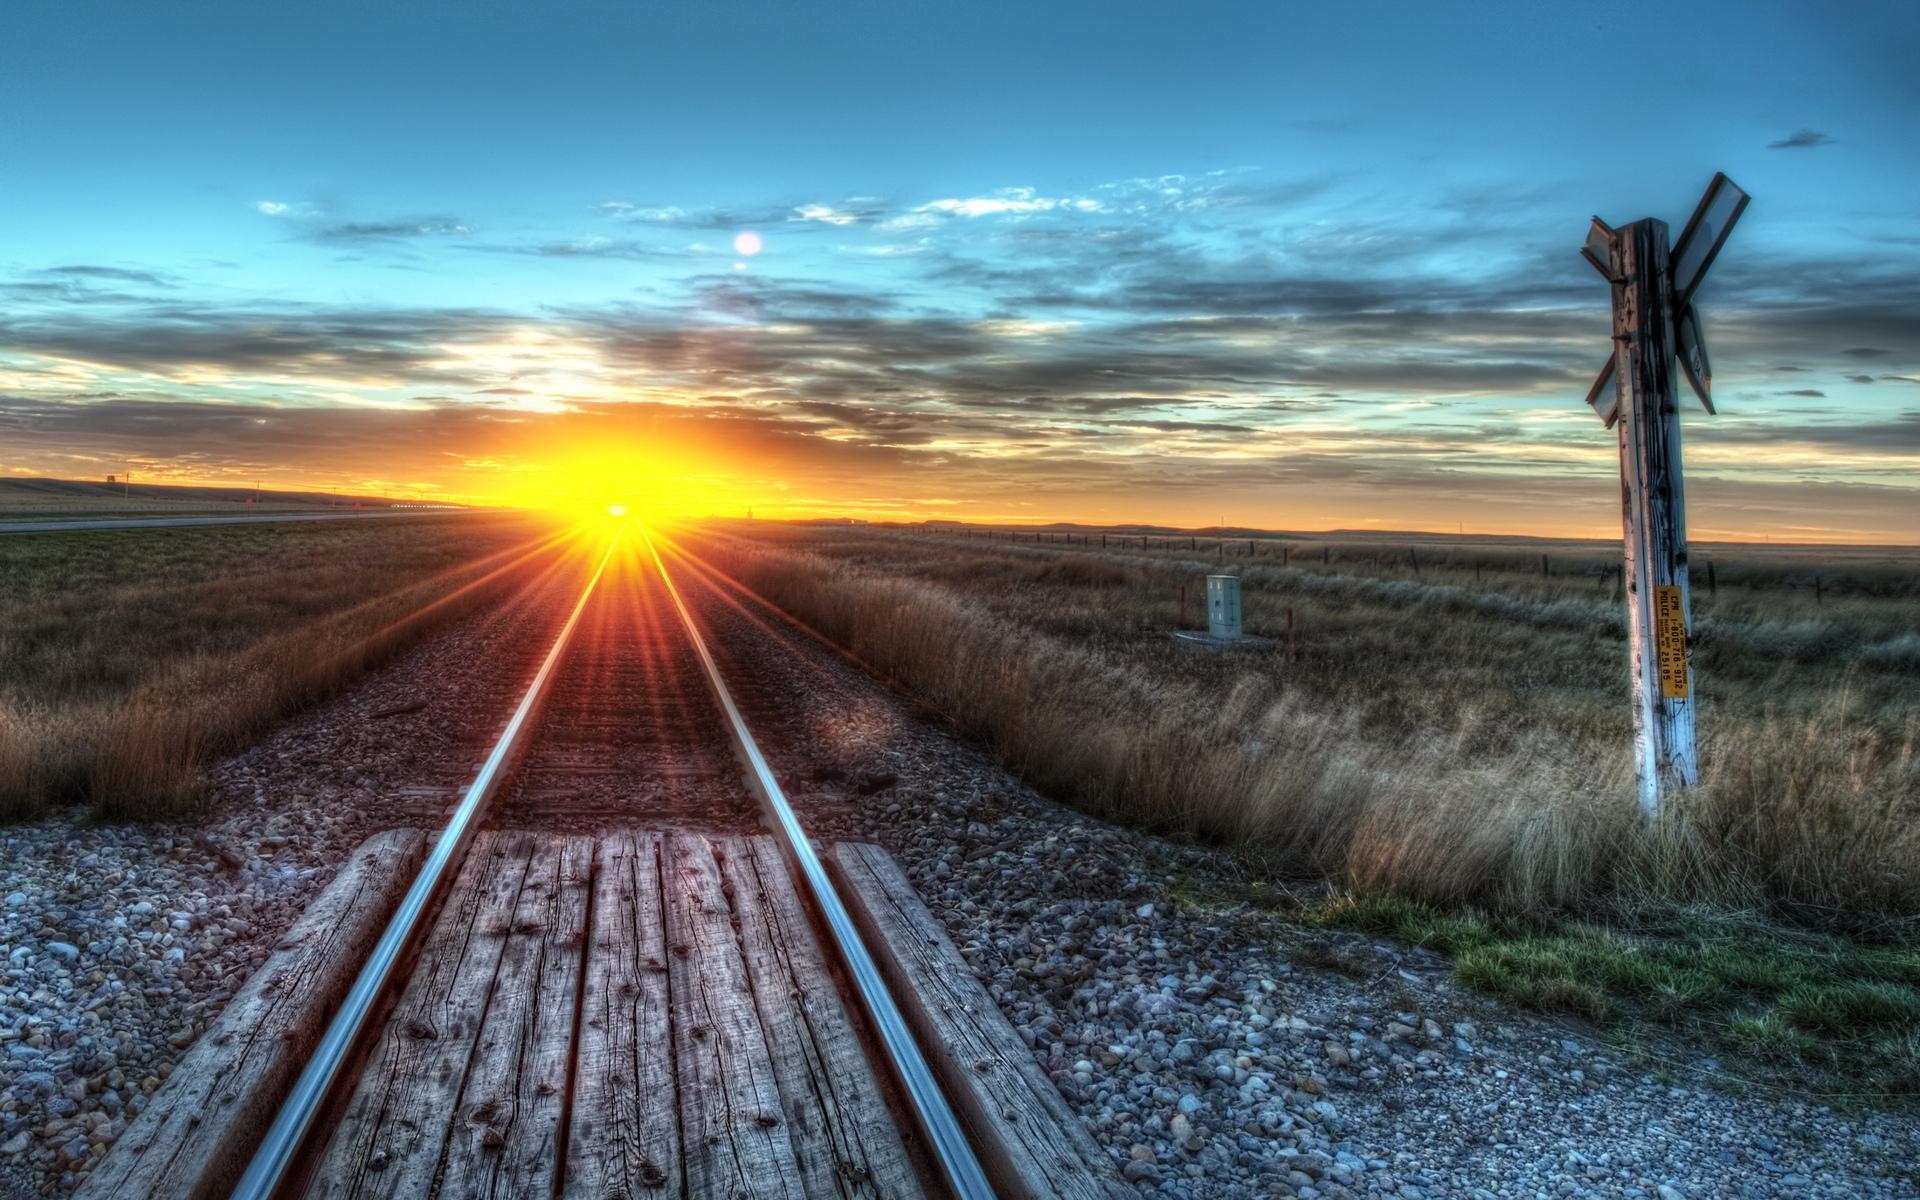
x: 59, y: 526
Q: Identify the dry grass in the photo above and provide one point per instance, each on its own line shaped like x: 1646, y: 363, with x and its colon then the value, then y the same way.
x: 126, y: 658
x: 1446, y: 740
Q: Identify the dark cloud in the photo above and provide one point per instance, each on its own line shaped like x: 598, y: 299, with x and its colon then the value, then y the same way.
x: 116, y: 274
x: 84, y: 284
x: 392, y: 345
x: 1899, y: 435
x: 387, y: 231
x: 590, y: 247
x: 1813, y: 392
x: 64, y: 291
x: 1801, y: 139
x: 763, y: 298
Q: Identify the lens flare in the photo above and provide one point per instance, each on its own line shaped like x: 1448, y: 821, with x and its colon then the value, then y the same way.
x: 747, y: 244
x: 616, y: 510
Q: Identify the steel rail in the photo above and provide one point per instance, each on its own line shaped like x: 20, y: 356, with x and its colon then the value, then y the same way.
x: 292, y: 1122
x: 958, y: 1163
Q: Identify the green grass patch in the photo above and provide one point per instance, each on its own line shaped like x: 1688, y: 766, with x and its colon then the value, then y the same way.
x: 1757, y: 992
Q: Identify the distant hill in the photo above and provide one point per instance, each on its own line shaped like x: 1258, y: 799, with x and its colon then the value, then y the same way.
x: 1333, y: 537
x: 27, y: 498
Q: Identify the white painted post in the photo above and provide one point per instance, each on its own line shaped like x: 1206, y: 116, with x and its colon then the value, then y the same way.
x: 1223, y: 607
x: 1653, y: 514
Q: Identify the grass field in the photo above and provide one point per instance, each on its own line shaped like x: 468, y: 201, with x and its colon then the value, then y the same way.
x: 127, y: 657
x: 1449, y: 746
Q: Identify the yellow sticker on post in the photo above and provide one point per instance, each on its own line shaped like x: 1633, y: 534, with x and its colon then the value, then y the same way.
x: 1670, y: 632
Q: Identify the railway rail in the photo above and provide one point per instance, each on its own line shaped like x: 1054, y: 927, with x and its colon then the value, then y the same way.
x: 987, y: 1126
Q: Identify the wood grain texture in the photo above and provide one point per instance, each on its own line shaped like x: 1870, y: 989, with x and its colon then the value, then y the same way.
x: 194, y: 1139
x: 734, y: 1127
x: 624, y: 1130
x: 506, y: 1134
x: 1030, y: 1143
x: 1653, y: 505
x: 391, y: 1137
x: 837, y: 1114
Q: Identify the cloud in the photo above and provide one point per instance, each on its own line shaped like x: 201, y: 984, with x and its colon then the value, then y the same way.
x: 1816, y: 393
x: 1015, y: 201
x: 391, y: 230
x: 591, y: 246
x: 272, y: 208
x: 1897, y: 436
x: 81, y: 284
x: 115, y: 274
x: 1032, y: 344
x: 704, y: 218
x: 369, y: 345
x: 826, y: 214
x: 1801, y: 139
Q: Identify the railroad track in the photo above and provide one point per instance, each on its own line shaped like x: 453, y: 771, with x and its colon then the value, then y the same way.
x: 646, y: 996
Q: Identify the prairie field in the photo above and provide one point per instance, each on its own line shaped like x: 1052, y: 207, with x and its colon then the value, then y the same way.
x: 1447, y: 746
x: 127, y: 657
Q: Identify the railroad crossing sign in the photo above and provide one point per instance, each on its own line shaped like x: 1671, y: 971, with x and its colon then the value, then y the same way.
x: 1655, y: 321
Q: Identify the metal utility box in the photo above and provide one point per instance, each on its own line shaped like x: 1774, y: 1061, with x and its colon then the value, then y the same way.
x: 1223, y: 607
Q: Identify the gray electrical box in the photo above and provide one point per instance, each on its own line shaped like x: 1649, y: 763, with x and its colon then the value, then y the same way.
x: 1223, y: 607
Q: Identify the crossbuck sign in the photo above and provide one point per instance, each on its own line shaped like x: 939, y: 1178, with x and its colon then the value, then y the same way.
x: 1655, y: 322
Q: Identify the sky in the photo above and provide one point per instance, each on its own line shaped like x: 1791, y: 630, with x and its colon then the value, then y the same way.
x: 1298, y: 266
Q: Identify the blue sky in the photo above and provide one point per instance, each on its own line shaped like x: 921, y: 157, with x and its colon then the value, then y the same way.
x: 1302, y: 266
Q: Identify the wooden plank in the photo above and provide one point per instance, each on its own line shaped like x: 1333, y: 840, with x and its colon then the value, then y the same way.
x: 624, y: 1131
x: 390, y: 1139
x: 1030, y: 1143
x: 735, y: 1133
x: 506, y: 1135
x: 845, y: 1135
x: 194, y: 1139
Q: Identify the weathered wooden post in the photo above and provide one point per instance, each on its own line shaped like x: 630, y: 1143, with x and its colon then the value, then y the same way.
x: 1653, y: 319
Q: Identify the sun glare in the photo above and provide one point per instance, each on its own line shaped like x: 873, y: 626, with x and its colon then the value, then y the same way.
x: 616, y: 510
